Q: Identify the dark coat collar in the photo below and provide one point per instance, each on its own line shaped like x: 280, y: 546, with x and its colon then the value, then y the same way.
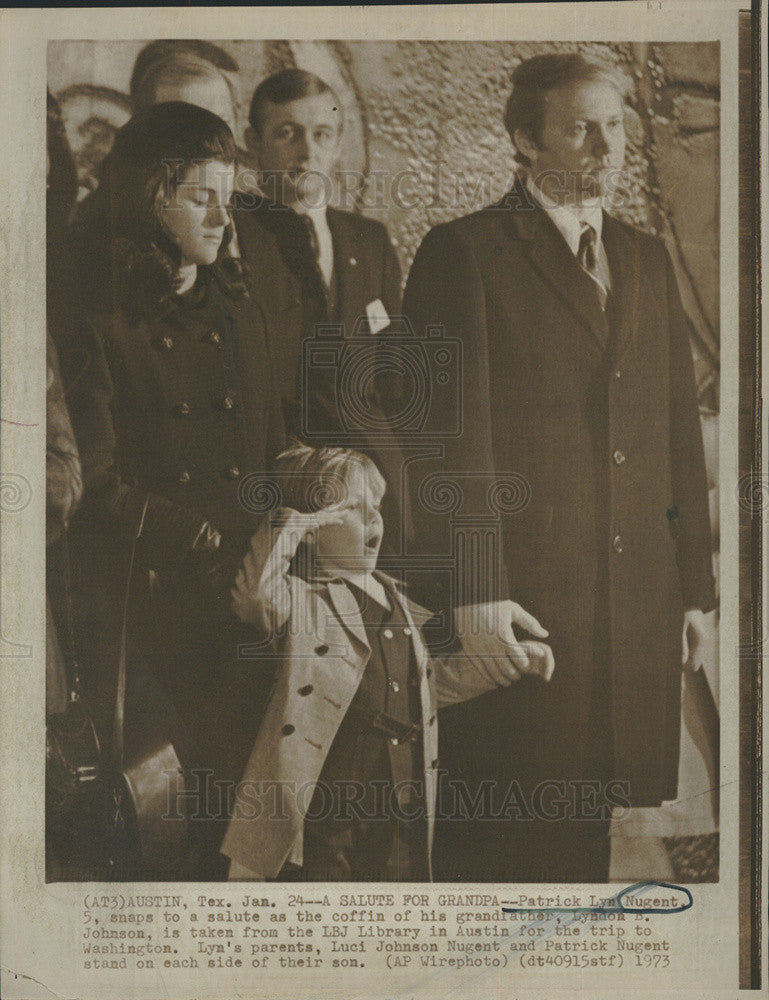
x: 554, y: 261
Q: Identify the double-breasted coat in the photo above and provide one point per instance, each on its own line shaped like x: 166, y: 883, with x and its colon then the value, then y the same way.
x: 178, y: 411
x: 316, y: 628
x: 592, y: 418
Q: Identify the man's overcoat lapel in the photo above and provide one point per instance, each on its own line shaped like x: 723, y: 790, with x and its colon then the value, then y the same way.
x: 552, y: 259
x: 623, y: 252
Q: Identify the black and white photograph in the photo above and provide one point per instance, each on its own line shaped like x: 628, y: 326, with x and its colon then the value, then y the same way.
x: 443, y: 320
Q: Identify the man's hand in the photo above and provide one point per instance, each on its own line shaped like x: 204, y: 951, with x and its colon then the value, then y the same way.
x: 485, y: 630
x: 698, y: 641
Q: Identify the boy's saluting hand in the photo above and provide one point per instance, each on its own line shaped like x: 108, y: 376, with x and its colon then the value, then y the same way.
x: 256, y: 596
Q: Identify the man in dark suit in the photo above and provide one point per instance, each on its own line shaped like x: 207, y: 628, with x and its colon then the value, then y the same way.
x: 578, y: 386
x: 344, y: 267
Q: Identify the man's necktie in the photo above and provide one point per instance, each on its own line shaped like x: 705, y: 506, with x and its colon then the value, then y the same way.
x: 312, y: 239
x: 587, y: 256
x: 314, y: 246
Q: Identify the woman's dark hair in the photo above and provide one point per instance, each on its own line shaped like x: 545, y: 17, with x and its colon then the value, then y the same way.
x: 282, y: 87
x: 151, y: 155
x: 534, y: 78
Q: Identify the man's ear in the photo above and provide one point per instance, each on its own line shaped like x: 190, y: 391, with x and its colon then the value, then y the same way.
x: 525, y: 144
x: 251, y: 137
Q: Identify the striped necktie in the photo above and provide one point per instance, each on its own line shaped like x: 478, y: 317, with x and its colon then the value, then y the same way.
x: 587, y: 256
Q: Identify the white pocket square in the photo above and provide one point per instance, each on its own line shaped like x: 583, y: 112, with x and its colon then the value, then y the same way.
x: 378, y: 319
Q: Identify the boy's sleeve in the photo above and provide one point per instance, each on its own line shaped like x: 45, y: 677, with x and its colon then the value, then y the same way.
x: 462, y: 676
x: 262, y: 594
x: 482, y: 657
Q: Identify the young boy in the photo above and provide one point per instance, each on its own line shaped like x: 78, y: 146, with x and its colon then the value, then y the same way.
x: 342, y: 779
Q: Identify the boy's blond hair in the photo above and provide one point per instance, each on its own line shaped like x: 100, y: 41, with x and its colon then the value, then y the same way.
x: 313, y: 478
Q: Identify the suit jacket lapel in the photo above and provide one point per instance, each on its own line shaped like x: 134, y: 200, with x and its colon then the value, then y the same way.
x: 554, y: 261
x: 260, y: 249
x: 348, y: 274
x: 624, y: 257
x: 419, y: 614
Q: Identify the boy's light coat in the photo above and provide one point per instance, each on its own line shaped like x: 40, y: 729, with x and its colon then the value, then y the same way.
x: 317, y: 628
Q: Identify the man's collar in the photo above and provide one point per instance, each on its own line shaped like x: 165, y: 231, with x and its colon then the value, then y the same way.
x: 314, y: 213
x: 569, y: 219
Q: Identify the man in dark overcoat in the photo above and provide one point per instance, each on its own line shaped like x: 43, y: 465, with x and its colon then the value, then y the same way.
x: 578, y: 388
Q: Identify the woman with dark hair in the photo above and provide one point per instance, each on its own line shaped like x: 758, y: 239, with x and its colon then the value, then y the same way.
x: 173, y: 405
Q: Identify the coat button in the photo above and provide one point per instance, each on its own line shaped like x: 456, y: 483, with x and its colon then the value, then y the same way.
x: 617, y: 543
x: 213, y: 337
x: 184, y: 478
x: 181, y: 410
x: 307, y: 689
x: 226, y: 403
x: 164, y: 343
x: 232, y: 473
x: 321, y: 650
x: 288, y: 729
x: 619, y: 457
x: 388, y: 633
x: 395, y: 686
x: 407, y: 631
x: 394, y: 741
x: 617, y: 374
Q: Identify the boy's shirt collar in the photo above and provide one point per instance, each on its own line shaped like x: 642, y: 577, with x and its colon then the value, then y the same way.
x: 359, y: 581
x: 390, y: 583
